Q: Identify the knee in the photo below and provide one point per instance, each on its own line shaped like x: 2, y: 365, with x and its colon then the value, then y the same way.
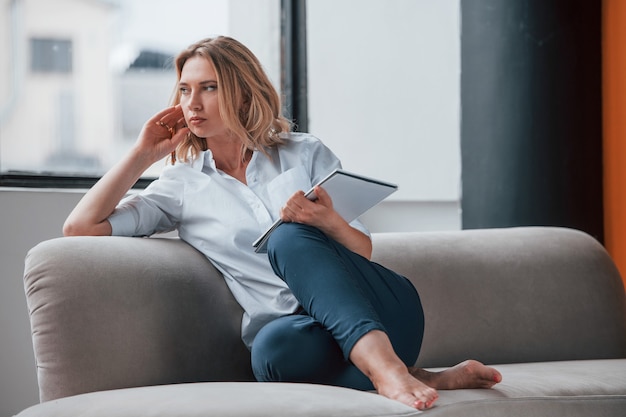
x: 290, y: 242
x: 295, y: 239
x: 290, y: 236
x: 268, y: 355
x: 293, y: 349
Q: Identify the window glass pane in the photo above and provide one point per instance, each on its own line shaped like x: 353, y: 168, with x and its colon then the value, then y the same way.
x: 80, y: 78
x: 50, y: 55
x: 384, y: 90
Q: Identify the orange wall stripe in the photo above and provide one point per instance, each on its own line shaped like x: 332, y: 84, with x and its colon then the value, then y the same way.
x: 614, y: 127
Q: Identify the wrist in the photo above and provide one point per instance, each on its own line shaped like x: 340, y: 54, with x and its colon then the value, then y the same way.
x: 334, y: 224
x: 141, y: 159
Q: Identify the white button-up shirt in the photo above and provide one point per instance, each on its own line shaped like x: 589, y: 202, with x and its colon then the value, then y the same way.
x: 221, y: 217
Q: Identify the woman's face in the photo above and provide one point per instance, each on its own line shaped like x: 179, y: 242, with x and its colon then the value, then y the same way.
x: 198, y: 98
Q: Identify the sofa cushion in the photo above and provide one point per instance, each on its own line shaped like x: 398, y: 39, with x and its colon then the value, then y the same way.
x: 572, y: 388
x: 549, y: 379
x: 584, y: 406
x: 246, y: 399
x: 564, y: 378
x: 562, y: 388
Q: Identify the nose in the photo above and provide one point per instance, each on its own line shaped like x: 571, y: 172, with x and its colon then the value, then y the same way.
x: 194, y: 102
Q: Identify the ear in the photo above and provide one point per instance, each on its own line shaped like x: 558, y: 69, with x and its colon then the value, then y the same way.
x: 244, y: 110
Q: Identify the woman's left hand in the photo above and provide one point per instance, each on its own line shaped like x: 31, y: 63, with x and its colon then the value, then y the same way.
x: 321, y: 214
x: 317, y: 213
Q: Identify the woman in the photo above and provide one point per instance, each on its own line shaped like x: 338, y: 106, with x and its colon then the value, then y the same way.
x: 316, y: 309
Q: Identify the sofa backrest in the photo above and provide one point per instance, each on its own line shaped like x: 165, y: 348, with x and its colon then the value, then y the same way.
x: 527, y: 294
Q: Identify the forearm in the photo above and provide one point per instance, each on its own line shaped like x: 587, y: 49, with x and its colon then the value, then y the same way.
x: 89, y: 217
x: 355, y: 240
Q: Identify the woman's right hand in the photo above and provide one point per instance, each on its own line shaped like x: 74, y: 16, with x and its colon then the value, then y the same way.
x: 162, y: 133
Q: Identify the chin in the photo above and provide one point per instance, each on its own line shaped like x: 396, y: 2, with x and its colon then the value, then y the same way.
x: 198, y: 133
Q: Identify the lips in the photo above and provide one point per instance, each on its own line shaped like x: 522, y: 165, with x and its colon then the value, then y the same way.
x: 196, y: 120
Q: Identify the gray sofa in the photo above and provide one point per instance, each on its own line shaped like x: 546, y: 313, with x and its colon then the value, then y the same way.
x: 146, y: 327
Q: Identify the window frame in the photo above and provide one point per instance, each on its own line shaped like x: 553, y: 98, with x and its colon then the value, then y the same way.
x: 15, y: 179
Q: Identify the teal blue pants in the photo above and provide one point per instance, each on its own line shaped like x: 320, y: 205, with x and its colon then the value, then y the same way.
x: 343, y: 296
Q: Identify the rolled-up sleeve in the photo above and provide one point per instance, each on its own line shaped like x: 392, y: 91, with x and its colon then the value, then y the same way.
x: 154, y: 210
x: 123, y: 222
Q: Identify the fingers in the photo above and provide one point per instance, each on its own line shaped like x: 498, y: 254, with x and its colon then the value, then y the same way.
x: 180, y: 135
x: 163, y: 132
x: 290, y: 212
x: 175, y: 127
x: 168, y: 114
x: 169, y: 119
x: 302, y: 210
x: 323, y: 197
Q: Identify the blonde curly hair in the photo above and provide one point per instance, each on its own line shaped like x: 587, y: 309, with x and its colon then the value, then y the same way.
x: 248, y: 102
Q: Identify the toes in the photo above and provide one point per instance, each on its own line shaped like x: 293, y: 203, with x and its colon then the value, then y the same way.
x: 483, y: 375
x: 497, y: 377
x: 428, y: 398
x: 424, y: 405
x: 420, y: 405
x: 407, y: 390
x: 420, y: 400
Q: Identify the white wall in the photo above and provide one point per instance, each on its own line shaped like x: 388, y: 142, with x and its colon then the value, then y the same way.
x: 384, y: 90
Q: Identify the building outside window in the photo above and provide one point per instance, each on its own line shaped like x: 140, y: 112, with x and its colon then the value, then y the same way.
x: 79, y: 78
x: 51, y: 55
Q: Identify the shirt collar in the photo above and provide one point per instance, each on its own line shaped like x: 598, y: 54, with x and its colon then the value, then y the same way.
x: 205, y: 161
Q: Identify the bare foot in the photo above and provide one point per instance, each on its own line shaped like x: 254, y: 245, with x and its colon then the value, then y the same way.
x: 398, y: 384
x: 375, y: 357
x: 468, y: 374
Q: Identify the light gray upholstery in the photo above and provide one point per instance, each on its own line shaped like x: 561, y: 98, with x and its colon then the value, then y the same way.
x: 545, y: 305
x: 512, y: 295
x: 116, y: 312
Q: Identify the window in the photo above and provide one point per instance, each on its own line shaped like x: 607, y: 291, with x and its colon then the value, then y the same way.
x: 80, y: 77
x: 51, y: 55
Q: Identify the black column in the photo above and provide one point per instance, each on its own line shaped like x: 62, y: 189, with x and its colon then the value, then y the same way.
x: 294, y: 62
x: 531, y: 132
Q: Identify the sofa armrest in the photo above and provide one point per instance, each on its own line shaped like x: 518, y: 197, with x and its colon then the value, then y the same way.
x: 115, y: 312
x: 525, y: 294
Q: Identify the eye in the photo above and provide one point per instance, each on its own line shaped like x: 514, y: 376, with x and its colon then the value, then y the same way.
x: 210, y: 87
x: 183, y: 90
